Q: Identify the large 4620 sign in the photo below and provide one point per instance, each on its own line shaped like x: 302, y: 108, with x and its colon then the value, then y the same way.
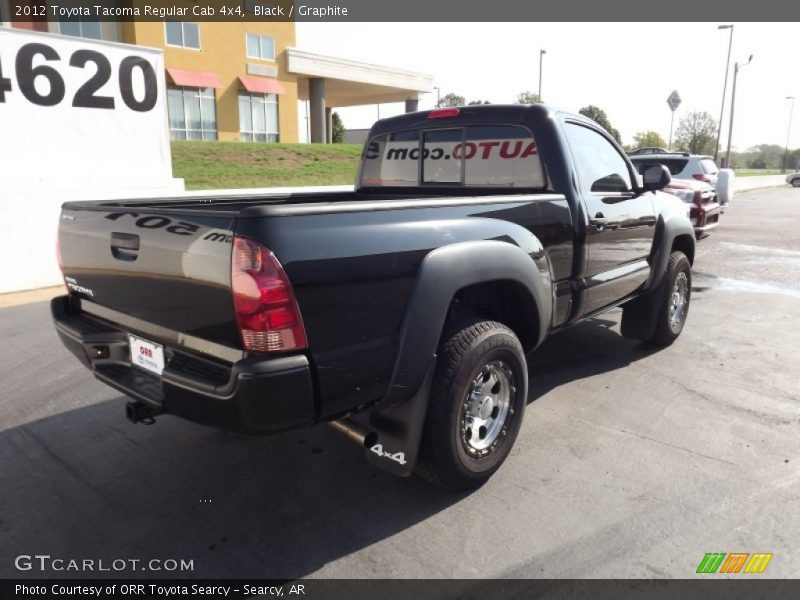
x: 49, y: 61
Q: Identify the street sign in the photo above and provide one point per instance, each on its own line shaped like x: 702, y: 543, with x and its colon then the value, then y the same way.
x: 674, y: 100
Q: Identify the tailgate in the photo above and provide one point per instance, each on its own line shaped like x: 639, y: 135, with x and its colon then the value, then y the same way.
x: 169, y: 268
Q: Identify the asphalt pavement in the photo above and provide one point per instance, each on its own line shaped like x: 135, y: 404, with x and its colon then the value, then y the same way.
x: 630, y: 463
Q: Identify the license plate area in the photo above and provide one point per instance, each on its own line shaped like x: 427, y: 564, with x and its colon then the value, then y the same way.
x: 146, y: 355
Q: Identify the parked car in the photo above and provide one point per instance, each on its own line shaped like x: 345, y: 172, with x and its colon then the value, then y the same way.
x: 401, y: 312
x: 793, y: 179
x: 683, y: 165
x: 648, y: 150
x: 705, y: 209
x: 704, y: 206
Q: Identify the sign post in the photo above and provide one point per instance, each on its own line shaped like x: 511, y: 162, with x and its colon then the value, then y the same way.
x: 674, y: 101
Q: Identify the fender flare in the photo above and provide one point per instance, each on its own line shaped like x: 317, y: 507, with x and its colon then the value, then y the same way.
x: 637, y: 322
x: 399, y: 418
x: 443, y: 273
x: 668, y: 228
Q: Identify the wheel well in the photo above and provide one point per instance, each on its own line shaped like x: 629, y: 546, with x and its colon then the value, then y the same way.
x: 684, y: 243
x: 505, y: 301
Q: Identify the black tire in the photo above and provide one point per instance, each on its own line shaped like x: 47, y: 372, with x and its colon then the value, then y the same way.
x: 669, y: 328
x: 796, y: 182
x: 447, y: 458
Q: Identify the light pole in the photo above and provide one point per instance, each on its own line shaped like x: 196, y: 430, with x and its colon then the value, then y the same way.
x: 736, y: 68
x: 724, y: 87
x: 436, y: 87
x: 788, y: 133
x: 541, y: 56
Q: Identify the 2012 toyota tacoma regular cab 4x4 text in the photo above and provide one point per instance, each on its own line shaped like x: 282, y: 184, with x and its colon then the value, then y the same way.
x: 400, y: 313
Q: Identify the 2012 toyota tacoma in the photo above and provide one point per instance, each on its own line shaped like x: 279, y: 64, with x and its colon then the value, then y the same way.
x: 400, y: 313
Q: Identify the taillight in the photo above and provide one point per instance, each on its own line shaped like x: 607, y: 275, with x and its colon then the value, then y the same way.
x: 702, y: 177
x: 266, y: 310
x: 443, y: 113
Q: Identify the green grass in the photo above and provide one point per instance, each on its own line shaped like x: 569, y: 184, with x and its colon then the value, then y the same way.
x: 211, y: 165
x: 756, y: 172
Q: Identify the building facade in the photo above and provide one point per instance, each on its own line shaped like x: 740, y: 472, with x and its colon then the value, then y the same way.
x: 226, y: 81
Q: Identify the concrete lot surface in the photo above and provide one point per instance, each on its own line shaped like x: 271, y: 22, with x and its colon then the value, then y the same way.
x: 630, y: 463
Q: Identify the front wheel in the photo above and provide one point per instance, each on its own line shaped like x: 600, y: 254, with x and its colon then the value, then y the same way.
x: 476, y: 406
x: 796, y: 182
x: 673, y: 305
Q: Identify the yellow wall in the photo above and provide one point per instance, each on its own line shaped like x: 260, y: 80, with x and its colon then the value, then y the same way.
x: 223, y: 51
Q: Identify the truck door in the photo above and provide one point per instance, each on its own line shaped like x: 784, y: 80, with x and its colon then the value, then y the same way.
x: 621, y: 223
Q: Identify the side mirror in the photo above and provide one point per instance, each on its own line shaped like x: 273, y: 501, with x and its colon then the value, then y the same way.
x: 655, y: 177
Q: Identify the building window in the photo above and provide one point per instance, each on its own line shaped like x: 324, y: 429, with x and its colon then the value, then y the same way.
x: 78, y: 28
x: 260, y: 46
x: 258, y: 117
x: 192, y: 113
x: 186, y: 35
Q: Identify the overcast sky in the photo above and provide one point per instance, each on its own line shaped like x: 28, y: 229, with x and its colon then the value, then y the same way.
x: 626, y: 69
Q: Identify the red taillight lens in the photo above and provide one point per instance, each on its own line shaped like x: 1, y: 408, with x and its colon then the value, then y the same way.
x: 266, y: 310
x: 702, y: 177
x: 443, y: 113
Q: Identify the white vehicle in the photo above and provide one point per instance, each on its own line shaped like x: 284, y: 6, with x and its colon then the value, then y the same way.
x: 683, y: 165
x: 794, y: 179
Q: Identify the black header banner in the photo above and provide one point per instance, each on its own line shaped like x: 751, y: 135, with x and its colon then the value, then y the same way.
x: 402, y: 10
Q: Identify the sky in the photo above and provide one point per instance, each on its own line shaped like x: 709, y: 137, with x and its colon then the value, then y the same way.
x: 627, y: 69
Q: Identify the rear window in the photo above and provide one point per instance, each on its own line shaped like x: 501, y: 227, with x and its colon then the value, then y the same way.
x: 675, y: 165
x: 709, y: 166
x: 479, y: 155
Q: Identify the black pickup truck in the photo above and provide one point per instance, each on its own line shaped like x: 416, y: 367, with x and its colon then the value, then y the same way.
x: 400, y: 313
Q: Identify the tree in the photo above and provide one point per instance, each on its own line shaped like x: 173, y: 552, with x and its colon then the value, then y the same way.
x: 475, y: 102
x: 696, y: 133
x: 337, y: 129
x: 648, y: 139
x: 599, y: 116
x: 528, y: 97
x: 451, y: 100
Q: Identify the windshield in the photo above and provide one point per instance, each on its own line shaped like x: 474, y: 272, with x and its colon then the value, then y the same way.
x: 675, y: 165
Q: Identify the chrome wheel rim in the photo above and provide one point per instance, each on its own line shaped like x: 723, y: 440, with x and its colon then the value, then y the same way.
x: 486, y: 409
x: 678, y: 300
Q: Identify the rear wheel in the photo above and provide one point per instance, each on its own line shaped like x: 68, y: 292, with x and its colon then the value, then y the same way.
x: 796, y: 182
x: 476, y: 406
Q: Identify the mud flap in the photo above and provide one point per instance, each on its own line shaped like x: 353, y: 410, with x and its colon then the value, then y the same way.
x: 640, y: 316
x: 399, y: 430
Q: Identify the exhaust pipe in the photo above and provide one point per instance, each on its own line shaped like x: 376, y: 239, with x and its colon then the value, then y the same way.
x: 141, y: 412
x: 355, y: 432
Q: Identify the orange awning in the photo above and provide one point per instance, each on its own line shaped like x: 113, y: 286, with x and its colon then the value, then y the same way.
x: 199, y: 79
x: 261, y: 85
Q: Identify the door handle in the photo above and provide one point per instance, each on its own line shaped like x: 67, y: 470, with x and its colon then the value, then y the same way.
x: 599, y: 222
x: 124, y: 246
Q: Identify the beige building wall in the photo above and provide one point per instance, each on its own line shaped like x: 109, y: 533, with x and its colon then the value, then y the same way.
x: 223, y: 51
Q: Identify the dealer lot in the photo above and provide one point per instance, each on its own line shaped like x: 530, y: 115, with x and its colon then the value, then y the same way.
x: 631, y: 462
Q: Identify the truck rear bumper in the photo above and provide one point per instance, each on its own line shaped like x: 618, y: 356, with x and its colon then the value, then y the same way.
x: 253, y: 396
